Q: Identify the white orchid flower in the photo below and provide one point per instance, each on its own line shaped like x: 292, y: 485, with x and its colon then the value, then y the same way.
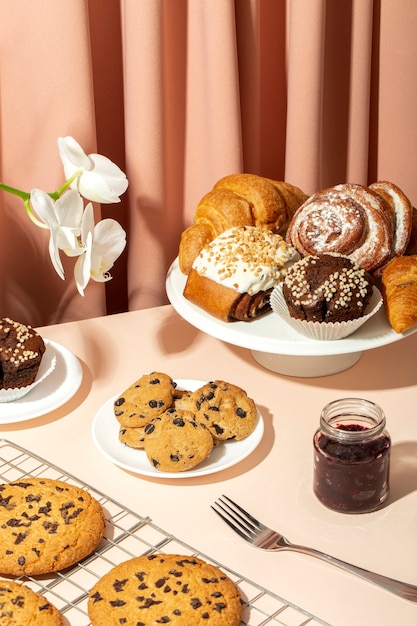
x: 97, y: 178
x: 63, y: 218
x: 102, y: 245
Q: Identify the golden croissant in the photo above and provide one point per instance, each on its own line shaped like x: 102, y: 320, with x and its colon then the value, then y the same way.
x: 238, y: 200
x: 399, y: 291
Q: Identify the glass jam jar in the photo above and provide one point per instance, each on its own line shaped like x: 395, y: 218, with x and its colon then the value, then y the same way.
x: 351, y: 456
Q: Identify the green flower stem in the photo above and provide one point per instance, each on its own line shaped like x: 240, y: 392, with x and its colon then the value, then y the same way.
x: 17, y: 192
x: 26, y: 197
x: 26, y: 201
x: 56, y: 194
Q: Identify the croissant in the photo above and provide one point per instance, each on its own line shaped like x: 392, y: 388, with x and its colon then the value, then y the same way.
x: 238, y: 200
x: 399, y: 292
x: 371, y: 224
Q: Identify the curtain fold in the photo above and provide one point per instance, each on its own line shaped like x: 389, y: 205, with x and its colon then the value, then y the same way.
x: 179, y: 94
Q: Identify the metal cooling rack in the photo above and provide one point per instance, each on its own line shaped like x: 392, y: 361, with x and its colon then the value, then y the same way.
x: 127, y: 535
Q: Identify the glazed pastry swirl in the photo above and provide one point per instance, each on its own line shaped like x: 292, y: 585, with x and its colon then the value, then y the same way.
x: 348, y: 219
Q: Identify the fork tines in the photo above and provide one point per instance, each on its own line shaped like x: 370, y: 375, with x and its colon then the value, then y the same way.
x: 237, y: 518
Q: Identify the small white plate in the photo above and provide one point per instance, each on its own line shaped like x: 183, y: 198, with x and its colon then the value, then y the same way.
x: 51, y: 393
x: 105, y: 434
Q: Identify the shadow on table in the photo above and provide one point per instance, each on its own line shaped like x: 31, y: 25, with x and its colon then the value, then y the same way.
x: 403, y: 470
x: 61, y: 411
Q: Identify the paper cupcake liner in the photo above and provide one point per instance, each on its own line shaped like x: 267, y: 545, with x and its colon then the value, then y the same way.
x: 47, y: 366
x: 324, y: 331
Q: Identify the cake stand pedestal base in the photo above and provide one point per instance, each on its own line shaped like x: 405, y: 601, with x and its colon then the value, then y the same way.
x: 306, y: 366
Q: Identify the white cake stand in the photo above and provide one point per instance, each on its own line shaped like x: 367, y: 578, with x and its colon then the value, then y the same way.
x: 275, y: 345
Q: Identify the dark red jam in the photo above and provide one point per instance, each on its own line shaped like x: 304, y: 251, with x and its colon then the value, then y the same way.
x: 351, y: 476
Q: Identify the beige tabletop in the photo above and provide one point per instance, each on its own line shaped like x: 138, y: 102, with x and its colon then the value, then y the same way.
x: 274, y: 481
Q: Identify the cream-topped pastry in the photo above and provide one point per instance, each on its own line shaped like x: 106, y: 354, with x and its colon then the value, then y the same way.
x: 247, y: 259
x: 233, y: 276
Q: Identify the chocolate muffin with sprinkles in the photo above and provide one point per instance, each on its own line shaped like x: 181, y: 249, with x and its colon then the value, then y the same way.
x: 327, y: 288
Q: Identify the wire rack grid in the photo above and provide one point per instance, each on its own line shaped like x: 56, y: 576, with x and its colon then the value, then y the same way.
x: 128, y: 535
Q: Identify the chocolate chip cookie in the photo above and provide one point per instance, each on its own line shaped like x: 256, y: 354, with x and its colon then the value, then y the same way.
x: 175, y: 441
x: 46, y: 525
x: 132, y: 437
x: 145, y: 399
x: 165, y: 589
x: 21, y: 605
x: 225, y: 409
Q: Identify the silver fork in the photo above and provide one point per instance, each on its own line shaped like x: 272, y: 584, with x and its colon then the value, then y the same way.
x: 259, y: 535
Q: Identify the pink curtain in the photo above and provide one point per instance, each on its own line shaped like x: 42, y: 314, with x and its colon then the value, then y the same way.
x: 179, y: 94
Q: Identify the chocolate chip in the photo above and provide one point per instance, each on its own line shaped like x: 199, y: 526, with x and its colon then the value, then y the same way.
x: 196, y: 603
x: 219, y: 606
x: 155, y: 381
x: 119, y: 401
x: 149, y: 428
x: 149, y: 602
x: 240, y: 412
x: 14, y: 523
x: 178, y: 421
x: 118, y: 585
x: 117, y: 602
x: 174, y: 458
x: 32, y: 498
x: 160, y: 582
x: 51, y: 527
x: 6, y: 503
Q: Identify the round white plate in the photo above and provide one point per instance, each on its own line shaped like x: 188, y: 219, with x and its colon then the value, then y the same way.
x: 51, y: 393
x: 105, y: 433
x: 271, y: 334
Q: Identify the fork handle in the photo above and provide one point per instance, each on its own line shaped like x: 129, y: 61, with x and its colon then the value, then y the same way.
x: 405, y: 590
